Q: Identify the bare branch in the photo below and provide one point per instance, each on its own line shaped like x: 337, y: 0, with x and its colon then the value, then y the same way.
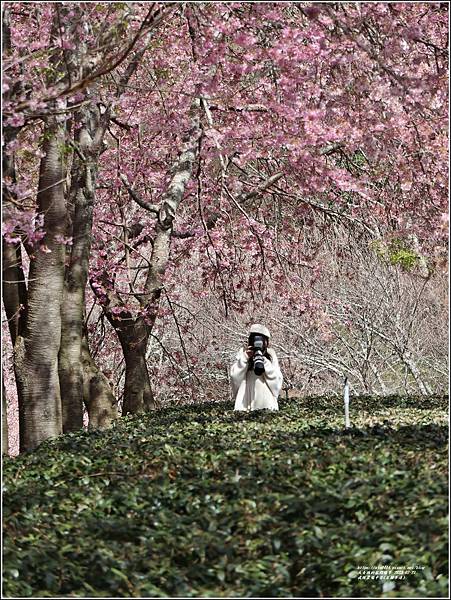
x: 153, y: 208
x: 262, y: 187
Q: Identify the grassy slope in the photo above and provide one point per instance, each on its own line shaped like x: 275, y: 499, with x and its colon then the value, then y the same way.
x: 201, y: 501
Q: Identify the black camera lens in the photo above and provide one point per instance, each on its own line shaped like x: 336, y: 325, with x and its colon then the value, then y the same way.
x: 259, y: 367
x: 257, y: 346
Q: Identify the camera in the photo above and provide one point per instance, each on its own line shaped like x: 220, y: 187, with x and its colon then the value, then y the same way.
x: 258, y: 345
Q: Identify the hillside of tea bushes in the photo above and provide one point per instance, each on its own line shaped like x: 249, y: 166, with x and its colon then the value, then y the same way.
x: 199, y: 501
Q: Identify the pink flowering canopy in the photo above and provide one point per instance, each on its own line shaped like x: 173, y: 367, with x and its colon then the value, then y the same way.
x: 344, y: 105
x: 348, y: 105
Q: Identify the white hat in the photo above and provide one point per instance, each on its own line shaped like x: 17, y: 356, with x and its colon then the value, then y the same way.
x: 261, y: 329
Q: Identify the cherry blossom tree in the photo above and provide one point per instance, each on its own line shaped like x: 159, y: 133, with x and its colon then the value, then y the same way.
x: 217, y: 137
x: 48, y: 358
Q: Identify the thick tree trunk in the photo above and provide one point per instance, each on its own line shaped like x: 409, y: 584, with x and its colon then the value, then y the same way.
x: 37, y: 353
x: 69, y: 365
x: 138, y: 396
x: 97, y: 395
x: 83, y: 178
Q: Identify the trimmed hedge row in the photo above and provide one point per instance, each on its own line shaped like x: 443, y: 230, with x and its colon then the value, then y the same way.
x: 199, y: 501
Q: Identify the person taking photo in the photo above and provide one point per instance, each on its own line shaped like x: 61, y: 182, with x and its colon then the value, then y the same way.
x: 255, y: 374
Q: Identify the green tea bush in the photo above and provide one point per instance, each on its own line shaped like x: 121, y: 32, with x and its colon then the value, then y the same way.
x: 200, y: 501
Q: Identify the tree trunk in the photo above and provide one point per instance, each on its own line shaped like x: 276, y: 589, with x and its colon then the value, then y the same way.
x: 134, y: 333
x: 138, y: 396
x: 97, y: 395
x: 14, y: 287
x: 83, y: 178
x: 69, y: 365
x: 37, y: 353
x: 4, y: 421
x: 379, y: 380
x: 414, y: 371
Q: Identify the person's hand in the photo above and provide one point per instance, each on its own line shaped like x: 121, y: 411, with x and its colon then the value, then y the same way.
x: 249, y: 352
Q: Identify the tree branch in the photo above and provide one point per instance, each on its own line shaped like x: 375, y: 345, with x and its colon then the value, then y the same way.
x: 153, y: 208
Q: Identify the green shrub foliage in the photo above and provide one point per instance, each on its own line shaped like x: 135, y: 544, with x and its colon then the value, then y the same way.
x: 199, y: 501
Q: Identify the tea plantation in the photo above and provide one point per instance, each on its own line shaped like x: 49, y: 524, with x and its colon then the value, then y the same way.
x: 199, y: 501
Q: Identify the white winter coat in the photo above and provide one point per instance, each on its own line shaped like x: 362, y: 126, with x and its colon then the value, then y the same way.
x: 253, y: 391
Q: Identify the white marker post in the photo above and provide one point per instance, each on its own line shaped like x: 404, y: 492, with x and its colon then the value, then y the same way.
x: 346, y: 398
